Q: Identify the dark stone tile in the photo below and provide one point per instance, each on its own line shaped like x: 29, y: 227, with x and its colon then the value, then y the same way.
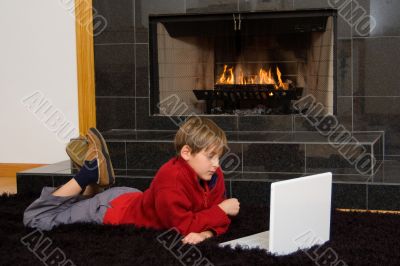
x: 142, y: 70
x: 329, y: 137
x: 136, y: 182
x: 265, y: 123
x: 115, y: 113
x: 122, y: 135
x: 141, y: 173
x: 141, y: 22
x: 61, y: 180
x: 379, y: 114
x: 114, y: 70
x: 310, y: 4
x: 344, y: 10
x: 378, y: 152
x: 233, y: 175
x: 391, y: 170
x: 120, y: 172
x: 143, y: 8
x: 227, y: 123
x: 302, y: 124
x: 210, y: 6
x: 31, y: 185
x: 155, y: 123
x: 351, y: 179
x: 117, y: 154
x: 343, y: 117
x: 113, y: 37
x: 343, y: 28
x: 388, y: 173
x: 276, y: 5
x: 271, y: 177
x: 158, y: 153
x: 273, y: 158
x: 392, y: 138
x: 344, y: 68
x: 384, y: 13
x: 147, y: 121
x: 231, y: 161
x: 383, y: 197
x: 302, y: 137
x: 392, y: 157
x: 349, y: 196
x: 148, y: 155
x: 375, y: 73
x: 359, y: 17
x: 168, y: 135
x: 366, y: 137
x: 113, y: 23
x: 252, y: 192
x: 378, y: 176
x: 172, y: 123
x: 228, y: 192
x: 345, y: 112
x: 255, y: 136
x: 342, y: 160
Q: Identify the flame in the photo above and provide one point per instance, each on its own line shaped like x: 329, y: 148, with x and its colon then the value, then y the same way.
x: 285, y: 86
x: 263, y: 77
x: 227, y: 77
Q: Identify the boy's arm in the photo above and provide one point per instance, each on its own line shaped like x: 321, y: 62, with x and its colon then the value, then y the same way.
x: 174, y: 210
x: 195, y: 238
x: 207, y: 234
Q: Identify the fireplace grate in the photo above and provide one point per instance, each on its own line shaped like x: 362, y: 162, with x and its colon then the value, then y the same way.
x: 230, y: 98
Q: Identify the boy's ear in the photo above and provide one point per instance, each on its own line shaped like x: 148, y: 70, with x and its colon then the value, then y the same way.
x: 185, y: 152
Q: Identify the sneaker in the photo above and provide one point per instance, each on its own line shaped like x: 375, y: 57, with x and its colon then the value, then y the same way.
x: 76, y: 150
x: 105, y: 168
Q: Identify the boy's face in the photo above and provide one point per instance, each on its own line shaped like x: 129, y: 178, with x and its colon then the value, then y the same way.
x: 204, y: 163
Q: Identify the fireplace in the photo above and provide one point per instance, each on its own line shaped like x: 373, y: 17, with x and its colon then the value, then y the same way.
x: 242, y: 63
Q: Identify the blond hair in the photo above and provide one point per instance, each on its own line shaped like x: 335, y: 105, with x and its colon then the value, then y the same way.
x: 200, y: 133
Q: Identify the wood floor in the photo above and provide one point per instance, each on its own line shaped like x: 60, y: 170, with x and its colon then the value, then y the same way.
x: 8, y: 185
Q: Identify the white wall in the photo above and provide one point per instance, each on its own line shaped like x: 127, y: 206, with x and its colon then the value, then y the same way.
x: 38, y: 59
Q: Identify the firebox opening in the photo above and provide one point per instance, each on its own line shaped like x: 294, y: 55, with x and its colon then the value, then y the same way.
x: 248, y: 63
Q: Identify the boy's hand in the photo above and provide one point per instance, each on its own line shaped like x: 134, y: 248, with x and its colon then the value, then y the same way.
x: 195, y: 238
x: 230, y: 206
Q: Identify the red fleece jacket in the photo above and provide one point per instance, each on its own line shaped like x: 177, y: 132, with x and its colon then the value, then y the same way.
x: 175, y: 199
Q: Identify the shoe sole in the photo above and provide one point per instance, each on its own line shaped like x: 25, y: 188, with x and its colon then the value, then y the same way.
x: 104, y: 150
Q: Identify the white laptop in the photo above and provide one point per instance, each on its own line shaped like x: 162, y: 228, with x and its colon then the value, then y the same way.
x: 300, y: 214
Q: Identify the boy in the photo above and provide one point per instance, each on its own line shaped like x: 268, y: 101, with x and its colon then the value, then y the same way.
x: 187, y: 192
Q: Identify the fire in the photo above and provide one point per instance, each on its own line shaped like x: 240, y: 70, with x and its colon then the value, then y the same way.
x: 282, y: 85
x: 227, y: 77
x: 263, y: 77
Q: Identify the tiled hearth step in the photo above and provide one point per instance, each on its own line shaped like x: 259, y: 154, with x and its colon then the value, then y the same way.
x: 251, y: 155
x: 263, y: 158
x: 381, y: 192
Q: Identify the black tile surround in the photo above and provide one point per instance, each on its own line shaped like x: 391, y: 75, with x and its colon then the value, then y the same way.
x: 366, y: 77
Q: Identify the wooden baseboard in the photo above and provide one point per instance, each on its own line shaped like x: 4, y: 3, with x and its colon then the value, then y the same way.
x: 11, y: 169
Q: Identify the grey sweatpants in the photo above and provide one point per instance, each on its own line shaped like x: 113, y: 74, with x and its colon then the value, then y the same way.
x: 49, y: 211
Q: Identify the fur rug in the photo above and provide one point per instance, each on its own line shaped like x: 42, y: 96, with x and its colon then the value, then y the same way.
x: 356, y: 239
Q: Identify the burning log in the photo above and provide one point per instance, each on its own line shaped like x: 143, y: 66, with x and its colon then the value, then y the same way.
x: 232, y: 97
